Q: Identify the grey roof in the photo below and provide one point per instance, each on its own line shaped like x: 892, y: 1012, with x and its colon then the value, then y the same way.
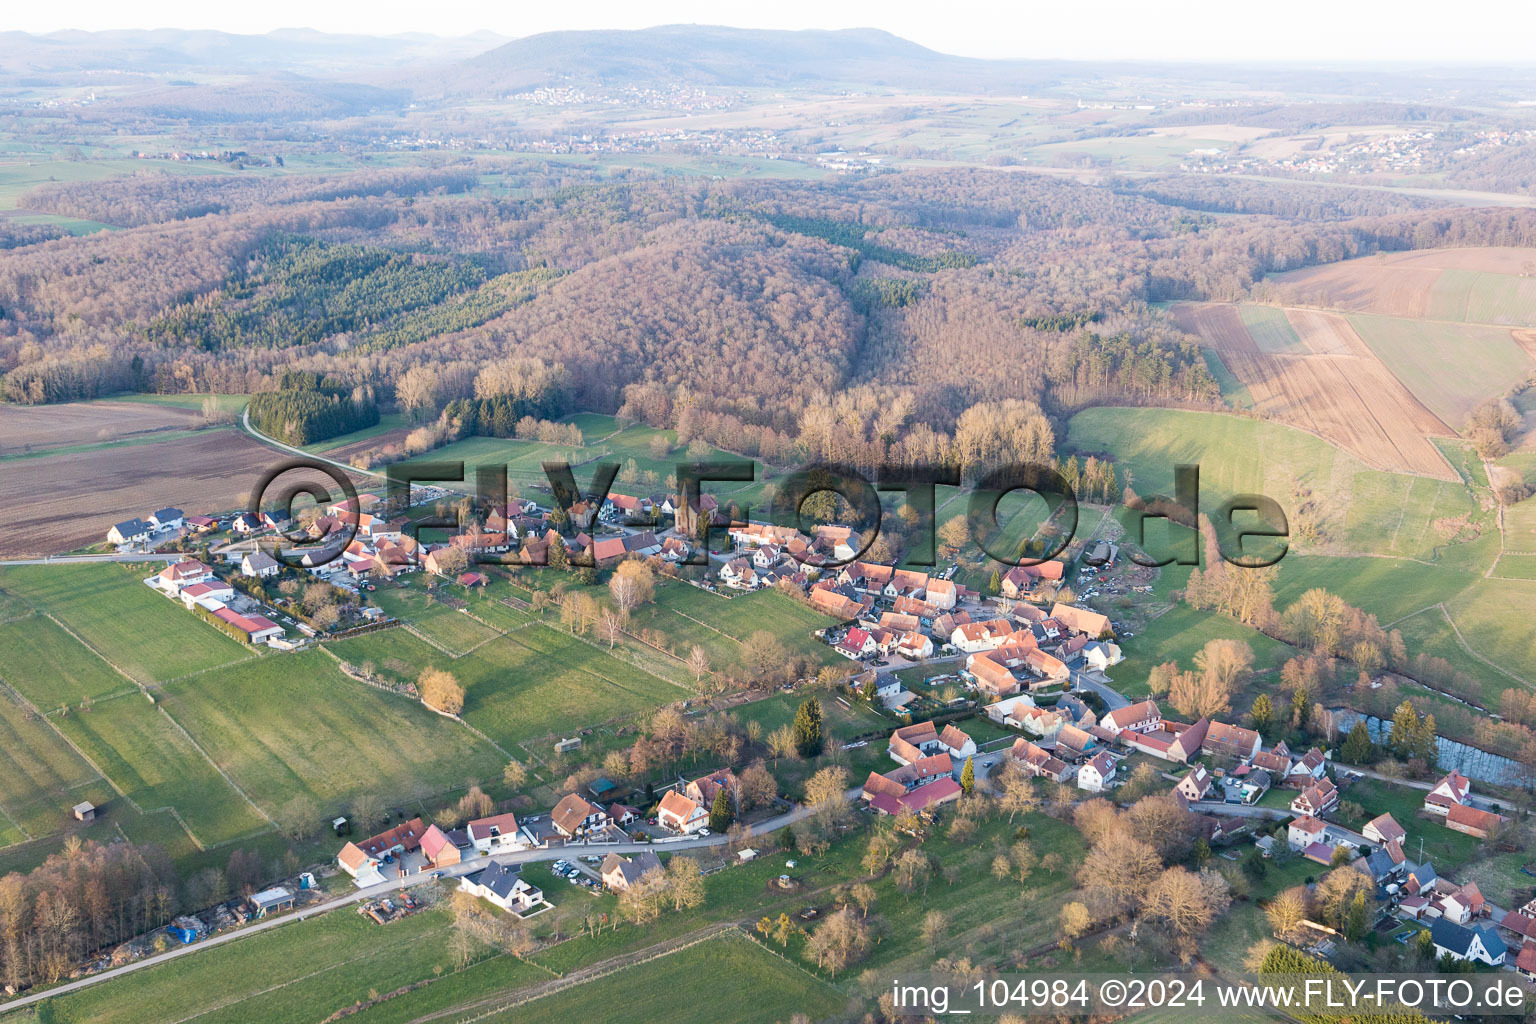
x: 632, y: 868
x: 169, y: 513
x: 260, y: 560
x: 1458, y: 938
x: 1379, y: 864
x: 499, y: 878
x: 129, y: 527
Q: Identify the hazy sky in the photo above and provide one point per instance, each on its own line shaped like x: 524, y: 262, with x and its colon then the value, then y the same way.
x: 1219, y: 30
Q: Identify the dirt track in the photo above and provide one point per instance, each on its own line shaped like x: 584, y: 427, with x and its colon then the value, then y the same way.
x: 1336, y: 387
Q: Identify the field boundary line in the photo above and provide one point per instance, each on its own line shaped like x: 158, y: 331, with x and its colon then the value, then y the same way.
x: 410, y: 627
x: 86, y: 644
x: 72, y: 745
x: 199, y: 748
x: 1468, y: 648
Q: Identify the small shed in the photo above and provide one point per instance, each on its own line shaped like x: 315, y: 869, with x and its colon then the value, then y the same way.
x: 602, y: 788
x: 275, y: 898
x: 85, y: 811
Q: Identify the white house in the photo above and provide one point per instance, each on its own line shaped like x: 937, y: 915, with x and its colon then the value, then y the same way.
x: 1099, y: 655
x: 212, y: 595
x: 259, y: 563
x: 574, y: 816
x: 680, y: 813
x: 502, y: 885
x: 974, y: 637
x: 183, y: 574
x: 1481, y: 945
x: 1097, y: 774
x: 167, y: 519
x: 1455, y: 788
x: 495, y: 834
x: 129, y: 531
x: 737, y: 573
x: 914, y: 645
x: 1304, y: 831
x: 766, y: 557
x: 1142, y: 717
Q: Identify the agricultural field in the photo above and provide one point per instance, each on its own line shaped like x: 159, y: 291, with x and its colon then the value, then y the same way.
x: 32, y: 430
x: 1362, y: 510
x: 139, y: 631
x: 1491, y: 285
x: 1311, y: 370
x: 722, y: 625
x: 69, y: 500
x: 40, y: 776
x: 1422, y: 353
x: 296, y: 726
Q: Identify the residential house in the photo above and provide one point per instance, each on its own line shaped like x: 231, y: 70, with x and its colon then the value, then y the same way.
x: 623, y: 814
x: 1037, y: 761
x: 362, y: 860
x: 1316, y: 799
x: 246, y: 522
x: 1195, y: 785
x: 1306, y: 770
x: 1073, y: 744
x: 212, y: 596
x: 920, y: 800
x: 495, y: 834
x: 1472, y: 821
x: 1525, y: 963
x: 619, y: 873
x: 1098, y: 655
x: 703, y: 789
x: 1478, y: 945
x: 1454, y: 789
x: 681, y: 814
x: 1098, y: 773
x: 574, y: 816
x: 981, y: 636
x: 674, y: 550
x: 259, y: 563
x: 914, y: 646
x: 1276, y: 762
x: 941, y: 594
x: 923, y: 771
x: 738, y: 574
x: 501, y: 885
x: 439, y: 850
x: 1141, y: 717
x: 1083, y: 620
x: 1188, y: 743
x: 183, y: 574
x: 256, y: 628
x: 1231, y: 741
x: 167, y: 519
x: 877, y: 784
x: 1306, y: 830
x: 856, y: 643
x: 1027, y: 581
x: 765, y: 557
x: 129, y: 531
x: 913, y: 742
x: 1384, y: 829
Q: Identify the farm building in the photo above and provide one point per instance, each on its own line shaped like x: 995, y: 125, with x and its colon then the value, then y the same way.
x: 269, y: 900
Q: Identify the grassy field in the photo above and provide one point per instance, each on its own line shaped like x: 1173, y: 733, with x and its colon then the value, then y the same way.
x: 297, y: 725
x: 1487, y: 360
x: 1177, y: 635
x: 40, y: 776
x: 1363, y: 510
x: 1483, y: 297
x: 1269, y: 328
x: 296, y: 974
x: 527, y: 684
x: 721, y: 625
x: 448, y: 627
x: 729, y: 977
x: 138, y: 630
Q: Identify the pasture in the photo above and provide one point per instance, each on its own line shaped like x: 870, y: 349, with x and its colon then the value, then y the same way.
x: 525, y: 685
x: 292, y: 726
x: 1362, y: 510
x: 139, y: 631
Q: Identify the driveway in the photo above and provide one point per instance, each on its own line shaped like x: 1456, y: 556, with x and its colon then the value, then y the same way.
x: 1098, y: 682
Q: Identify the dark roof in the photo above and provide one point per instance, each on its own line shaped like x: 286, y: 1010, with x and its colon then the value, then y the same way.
x: 1457, y: 938
x: 631, y: 868
x: 169, y: 513
x: 499, y: 878
x: 129, y: 527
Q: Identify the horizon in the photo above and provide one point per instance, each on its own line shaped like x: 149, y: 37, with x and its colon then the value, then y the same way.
x: 1315, y: 32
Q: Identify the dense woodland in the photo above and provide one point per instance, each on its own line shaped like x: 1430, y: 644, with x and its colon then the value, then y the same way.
x: 727, y: 309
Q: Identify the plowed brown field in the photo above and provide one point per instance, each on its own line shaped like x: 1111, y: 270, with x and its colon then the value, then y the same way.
x: 33, y: 428
x: 1336, y: 387
x: 55, y: 503
x: 1396, y: 284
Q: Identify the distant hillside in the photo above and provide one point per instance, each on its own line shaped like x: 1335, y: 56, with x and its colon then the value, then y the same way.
x: 708, y: 55
x: 162, y: 51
